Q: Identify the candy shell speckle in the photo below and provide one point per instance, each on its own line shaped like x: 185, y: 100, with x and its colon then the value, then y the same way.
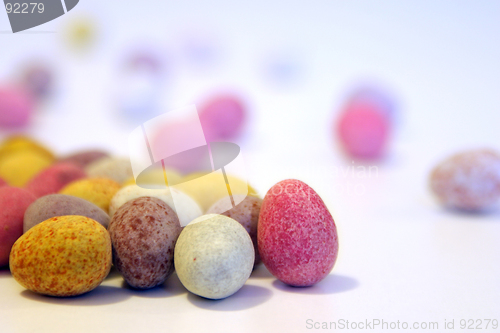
x: 62, y: 256
x: 469, y: 180
x: 143, y: 232
x: 186, y: 208
x: 297, y: 236
x: 214, y: 256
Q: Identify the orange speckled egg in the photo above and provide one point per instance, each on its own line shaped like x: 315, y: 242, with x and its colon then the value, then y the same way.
x: 62, y: 256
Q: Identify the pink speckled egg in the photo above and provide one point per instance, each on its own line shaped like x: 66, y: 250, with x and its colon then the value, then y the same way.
x: 469, y: 180
x: 223, y: 118
x: 13, y: 203
x: 16, y: 107
x: 54, y: 178
x: 296, y: 234
x: 363, y: 132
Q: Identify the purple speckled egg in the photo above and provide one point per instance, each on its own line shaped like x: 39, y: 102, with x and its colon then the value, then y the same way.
x: 296, y: 234
x: 16, y: 107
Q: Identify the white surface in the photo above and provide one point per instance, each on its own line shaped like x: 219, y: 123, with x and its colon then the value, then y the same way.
x: 401, y: 257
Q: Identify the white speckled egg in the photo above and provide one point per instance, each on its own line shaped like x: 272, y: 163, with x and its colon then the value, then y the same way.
x: 214, y: 256
x: 186, y: 208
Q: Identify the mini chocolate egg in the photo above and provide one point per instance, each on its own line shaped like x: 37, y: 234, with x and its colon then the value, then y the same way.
x: 143, y: 232
x: 38, y: 79
x: 99, y: 191
x: 54, y: 178
x: 13, y: 203
x: 246, y: 213
x: 115, y: 168
x: 84, y: 158
x: 16, y: 107
x: 20, y: 167
x: 363, y: 132
x: 223, y: 118
x: 18, y: 143
x: 297, y: 236
x: 469, y: 180
x: 209, y: 188
x: 53, y: 205
x: 62, y: 256
x: 214, y: 256
x: 185, y: 207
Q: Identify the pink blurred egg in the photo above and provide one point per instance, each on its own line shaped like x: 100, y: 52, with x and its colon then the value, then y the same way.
x: 373, y: 97
x: 363, y: 132
x: 16, y: 107
x: 223, y: 118
x: 181, y: 136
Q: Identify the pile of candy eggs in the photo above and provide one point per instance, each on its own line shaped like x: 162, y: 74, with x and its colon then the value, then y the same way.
x: 65, y: 226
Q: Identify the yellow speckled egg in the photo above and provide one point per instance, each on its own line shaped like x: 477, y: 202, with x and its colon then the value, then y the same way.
x: 156, y: 177
x: 21, y: 143
x: 99, y: 191
x: 62, y: 256
x: 207, y: 189
x: 19, y: 167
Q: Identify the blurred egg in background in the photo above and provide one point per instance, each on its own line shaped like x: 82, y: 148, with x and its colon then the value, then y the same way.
x: 366, y: 121
x: 16, y: 106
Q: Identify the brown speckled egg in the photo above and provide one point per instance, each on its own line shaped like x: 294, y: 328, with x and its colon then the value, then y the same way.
x: 246, y: 213
x: 469, y: 180
x: 143, y: 232
x: 62, y: 256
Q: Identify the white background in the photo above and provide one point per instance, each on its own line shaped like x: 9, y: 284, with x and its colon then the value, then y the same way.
x: 402, y: 257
